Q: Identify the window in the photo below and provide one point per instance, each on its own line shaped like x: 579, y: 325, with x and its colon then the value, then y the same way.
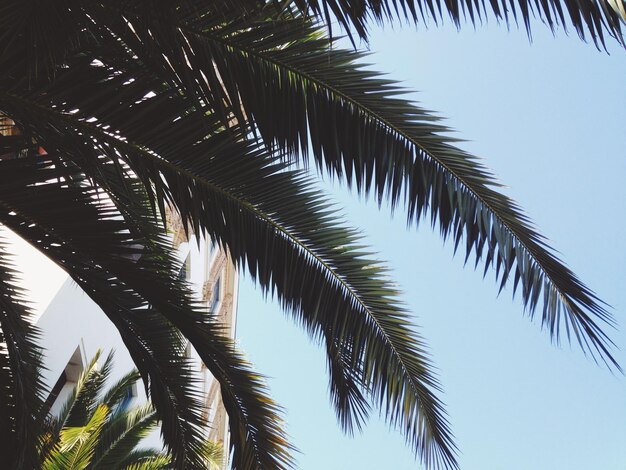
x: 129, y: 394
x: 185, y: 271
x: 8, y: 131
x: 7, y: 126
x: 210, y: 248
x: 211, y: 251
x: 10, y: 135
x: 215, y: 298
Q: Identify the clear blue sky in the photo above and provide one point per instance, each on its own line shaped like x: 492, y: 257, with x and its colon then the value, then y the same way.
x: 549, y: 119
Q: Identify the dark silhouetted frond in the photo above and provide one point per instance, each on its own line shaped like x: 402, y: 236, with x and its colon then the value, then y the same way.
x: 20, y: 367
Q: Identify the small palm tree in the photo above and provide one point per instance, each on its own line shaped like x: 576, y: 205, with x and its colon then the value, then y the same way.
x: 100, y: 430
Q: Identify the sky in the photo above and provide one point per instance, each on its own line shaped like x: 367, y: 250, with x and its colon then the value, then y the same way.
x: 548, y: 118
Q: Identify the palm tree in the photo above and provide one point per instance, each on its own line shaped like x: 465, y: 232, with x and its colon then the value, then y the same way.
x: 98, y: 429
x: 118, y: 109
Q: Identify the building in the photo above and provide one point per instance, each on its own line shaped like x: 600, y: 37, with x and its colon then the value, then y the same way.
x: 74, y: 328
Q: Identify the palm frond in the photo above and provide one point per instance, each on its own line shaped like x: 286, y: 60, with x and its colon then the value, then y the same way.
x: 256, y: 209
x: 594, y: 19
x: 77, y: 444
x: 195, y: 83
x: 348, y: 390
x: 214, y: 454
x: 41, y: 32
x: 117, y: 281
x: 154, y: 345
x: 404, y: 153
x: 79, y: 406
x: 89, y: 387
x: 20, y: 365
x: 138, y: 456
x: 362, y: 132
x: 149, y: 463
x: 122, y: 433
x: 117, y: 393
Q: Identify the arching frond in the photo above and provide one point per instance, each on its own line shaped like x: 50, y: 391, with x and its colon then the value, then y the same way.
x: 136, y: 293
x: 117, y: 393
x: 77, y: 443
x: 152, y: 342
x: 149, y: 463
x: 122, y: 433
x: 90, y: 385
x: 150, y: 459
x: 360, y: 131
x: 255, y: 208
x: 20, y: 367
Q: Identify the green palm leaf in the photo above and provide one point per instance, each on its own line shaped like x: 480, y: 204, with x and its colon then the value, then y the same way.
x: 149, y: 463
x: 118, y: 392
x: 214, y: 454
x: 77, y: 443
x: 106, y: 437
x: 122, y: 433
x: 79, y: 405
x: 89, y: 387
x: 149, y: 458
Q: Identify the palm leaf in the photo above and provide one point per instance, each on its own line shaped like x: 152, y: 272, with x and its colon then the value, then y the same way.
x: 149, y: 463
x: 121, y: 434
x: 154, y: 345
x: 306, y: 83
x: 405, y: 153
x: 214, y: 454
x: 117, y: 393
x: 324, y: 99
x: 77, y: 409
x: 139, y: 456
x: 77, y: 444
x: 20, y: 364
x: 591, y: 18
x: 289, y: 250
x: 84, y: 399
x: 596, y: 19
x: 252, y: 414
